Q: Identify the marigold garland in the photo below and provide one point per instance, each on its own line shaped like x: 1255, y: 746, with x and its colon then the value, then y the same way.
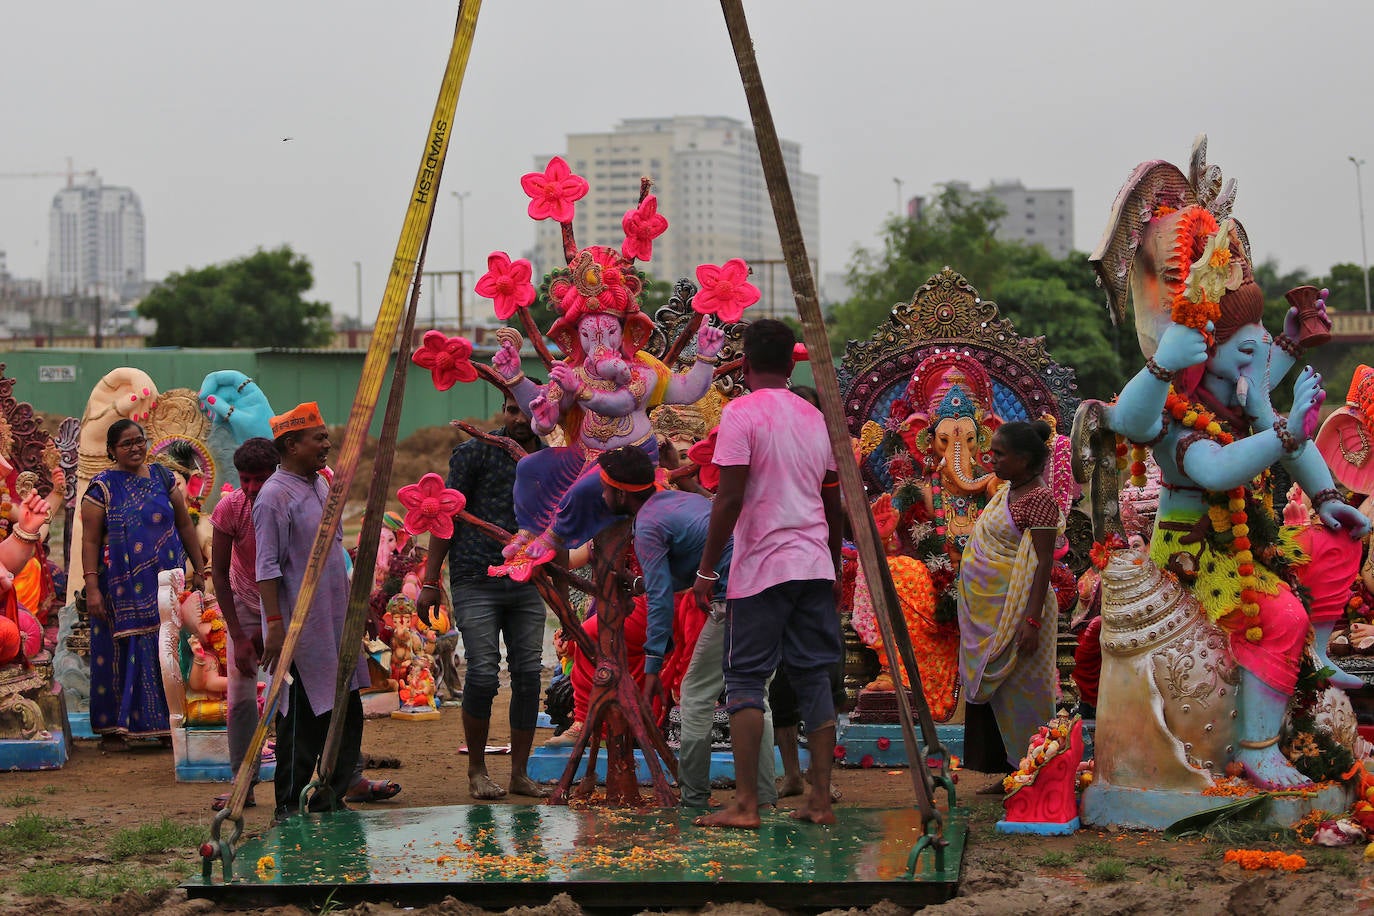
x: 1231, y: 520
x: 1255, y: 859
x: 1138, y: 469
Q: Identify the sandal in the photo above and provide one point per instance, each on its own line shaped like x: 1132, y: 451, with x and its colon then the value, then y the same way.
x: 372, y: 790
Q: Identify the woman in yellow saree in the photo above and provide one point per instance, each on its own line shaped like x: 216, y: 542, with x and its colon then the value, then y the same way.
x: 1007, y: 614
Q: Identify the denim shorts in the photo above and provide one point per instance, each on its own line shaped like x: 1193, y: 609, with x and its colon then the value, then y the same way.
x: 792, y: 625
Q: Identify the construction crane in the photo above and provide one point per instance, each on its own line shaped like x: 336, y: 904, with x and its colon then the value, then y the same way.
x: 70, y: 174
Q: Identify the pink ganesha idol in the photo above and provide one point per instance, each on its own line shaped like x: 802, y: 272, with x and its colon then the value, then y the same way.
x: 600, y: 392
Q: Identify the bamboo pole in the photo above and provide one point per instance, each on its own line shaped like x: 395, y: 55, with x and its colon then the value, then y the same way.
x: 419, y: 211
x: 360, y: 589
x: 864, y: 529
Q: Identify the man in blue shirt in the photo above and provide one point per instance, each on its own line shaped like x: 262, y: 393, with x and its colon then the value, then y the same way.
x: 669, y: 534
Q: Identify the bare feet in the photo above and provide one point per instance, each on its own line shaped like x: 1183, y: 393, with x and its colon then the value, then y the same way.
x: 523, y: 785
x: 791, y: 785
x: 733, y: 816
x: 815, y: 814
x: 481, y: 786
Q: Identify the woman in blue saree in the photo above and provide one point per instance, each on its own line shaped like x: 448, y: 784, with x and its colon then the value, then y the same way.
x: 136, y: 526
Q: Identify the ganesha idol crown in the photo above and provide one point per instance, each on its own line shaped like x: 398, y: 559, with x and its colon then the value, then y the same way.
x: 1142, y: 606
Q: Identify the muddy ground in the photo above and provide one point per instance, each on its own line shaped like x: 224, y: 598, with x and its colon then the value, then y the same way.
x: 113, y: 834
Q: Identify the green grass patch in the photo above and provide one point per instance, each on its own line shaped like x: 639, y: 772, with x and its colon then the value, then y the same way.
x: 1056, y: 859
x: 1107, y: 870
x: 19, y: 801
x: 50, y: 790
x: 29, y: 832
x: 148, y: 839
x: 1091, y: 849
x: 1337, y: 861
x: 67, y: 881
x: 1153, y: 863
x: 1236, y: 834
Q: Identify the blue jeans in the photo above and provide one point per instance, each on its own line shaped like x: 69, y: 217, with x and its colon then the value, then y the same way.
x: 700, y: 688
x: 486, y: 611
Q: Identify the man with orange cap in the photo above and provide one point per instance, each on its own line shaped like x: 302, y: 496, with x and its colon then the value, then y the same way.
x: 286, y: 516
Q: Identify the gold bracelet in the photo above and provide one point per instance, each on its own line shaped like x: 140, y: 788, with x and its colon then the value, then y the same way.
x: 31, y: 537
x: 1259, y: 745
x: 709, y: 360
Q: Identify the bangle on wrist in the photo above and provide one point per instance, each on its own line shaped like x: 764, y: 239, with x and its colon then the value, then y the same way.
x: 1158, y: 371
x: 276, y: 619
x: 30, y: 536
x: 1322, y: 497
x: 1289, y: 346
x: 515, y: 381
x: 88, y: 573
x: 709, y: 360
x: 426, y: 585
x: 1035, y: 624
x: 714, y: 577
x: 1290, y: 443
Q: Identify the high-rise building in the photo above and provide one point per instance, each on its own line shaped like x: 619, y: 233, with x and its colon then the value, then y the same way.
x: 95, y: 242
x: 710, y: 186
x: 1035, y: 216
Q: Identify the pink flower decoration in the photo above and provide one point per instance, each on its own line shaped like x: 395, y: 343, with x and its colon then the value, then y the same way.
x: 430, y: 506
x: 448, y: 359
x: 554, y: 191
x: 642, y: 226
x: 507, y: 284
x: 725, y: 290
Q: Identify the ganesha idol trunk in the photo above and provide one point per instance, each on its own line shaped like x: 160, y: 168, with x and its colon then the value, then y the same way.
x: 1166, y: 714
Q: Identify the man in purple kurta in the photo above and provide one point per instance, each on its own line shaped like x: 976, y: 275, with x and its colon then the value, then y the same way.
x: 286, y: 515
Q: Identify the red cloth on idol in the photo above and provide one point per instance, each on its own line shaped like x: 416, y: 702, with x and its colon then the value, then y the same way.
x: 1335, y: 562
x: 583, y: 668
x: 1087, y: 659
x: 688, y: 619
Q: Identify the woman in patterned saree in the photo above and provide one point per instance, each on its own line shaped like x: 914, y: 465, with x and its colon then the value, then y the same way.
x: 1007, y: 613
x: 136, y: 526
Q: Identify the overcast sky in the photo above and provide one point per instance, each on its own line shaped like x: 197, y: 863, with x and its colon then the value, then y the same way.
x: 189, y: 103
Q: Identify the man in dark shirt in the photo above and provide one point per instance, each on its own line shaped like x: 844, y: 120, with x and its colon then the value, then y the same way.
x: 485, y: 608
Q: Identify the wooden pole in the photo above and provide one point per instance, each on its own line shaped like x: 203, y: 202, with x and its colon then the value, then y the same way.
x: 864, y: 529
x: 419, y: 210
x: 379, y: 489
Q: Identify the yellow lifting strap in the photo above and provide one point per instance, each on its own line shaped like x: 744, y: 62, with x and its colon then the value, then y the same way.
x: 419, y: 210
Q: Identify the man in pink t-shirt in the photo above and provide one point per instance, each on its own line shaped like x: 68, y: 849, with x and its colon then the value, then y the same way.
x: 779, y: 495
x: 233, y: 557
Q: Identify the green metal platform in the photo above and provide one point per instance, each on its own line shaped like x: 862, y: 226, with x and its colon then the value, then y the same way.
x: 506, y: 855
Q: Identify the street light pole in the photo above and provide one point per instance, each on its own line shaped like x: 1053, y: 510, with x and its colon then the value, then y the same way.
x: 358, y: 273
x: 1364, y: 250
x: 898, y: 183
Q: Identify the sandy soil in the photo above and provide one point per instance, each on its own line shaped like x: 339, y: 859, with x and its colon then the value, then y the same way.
x: 1094, y: 872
